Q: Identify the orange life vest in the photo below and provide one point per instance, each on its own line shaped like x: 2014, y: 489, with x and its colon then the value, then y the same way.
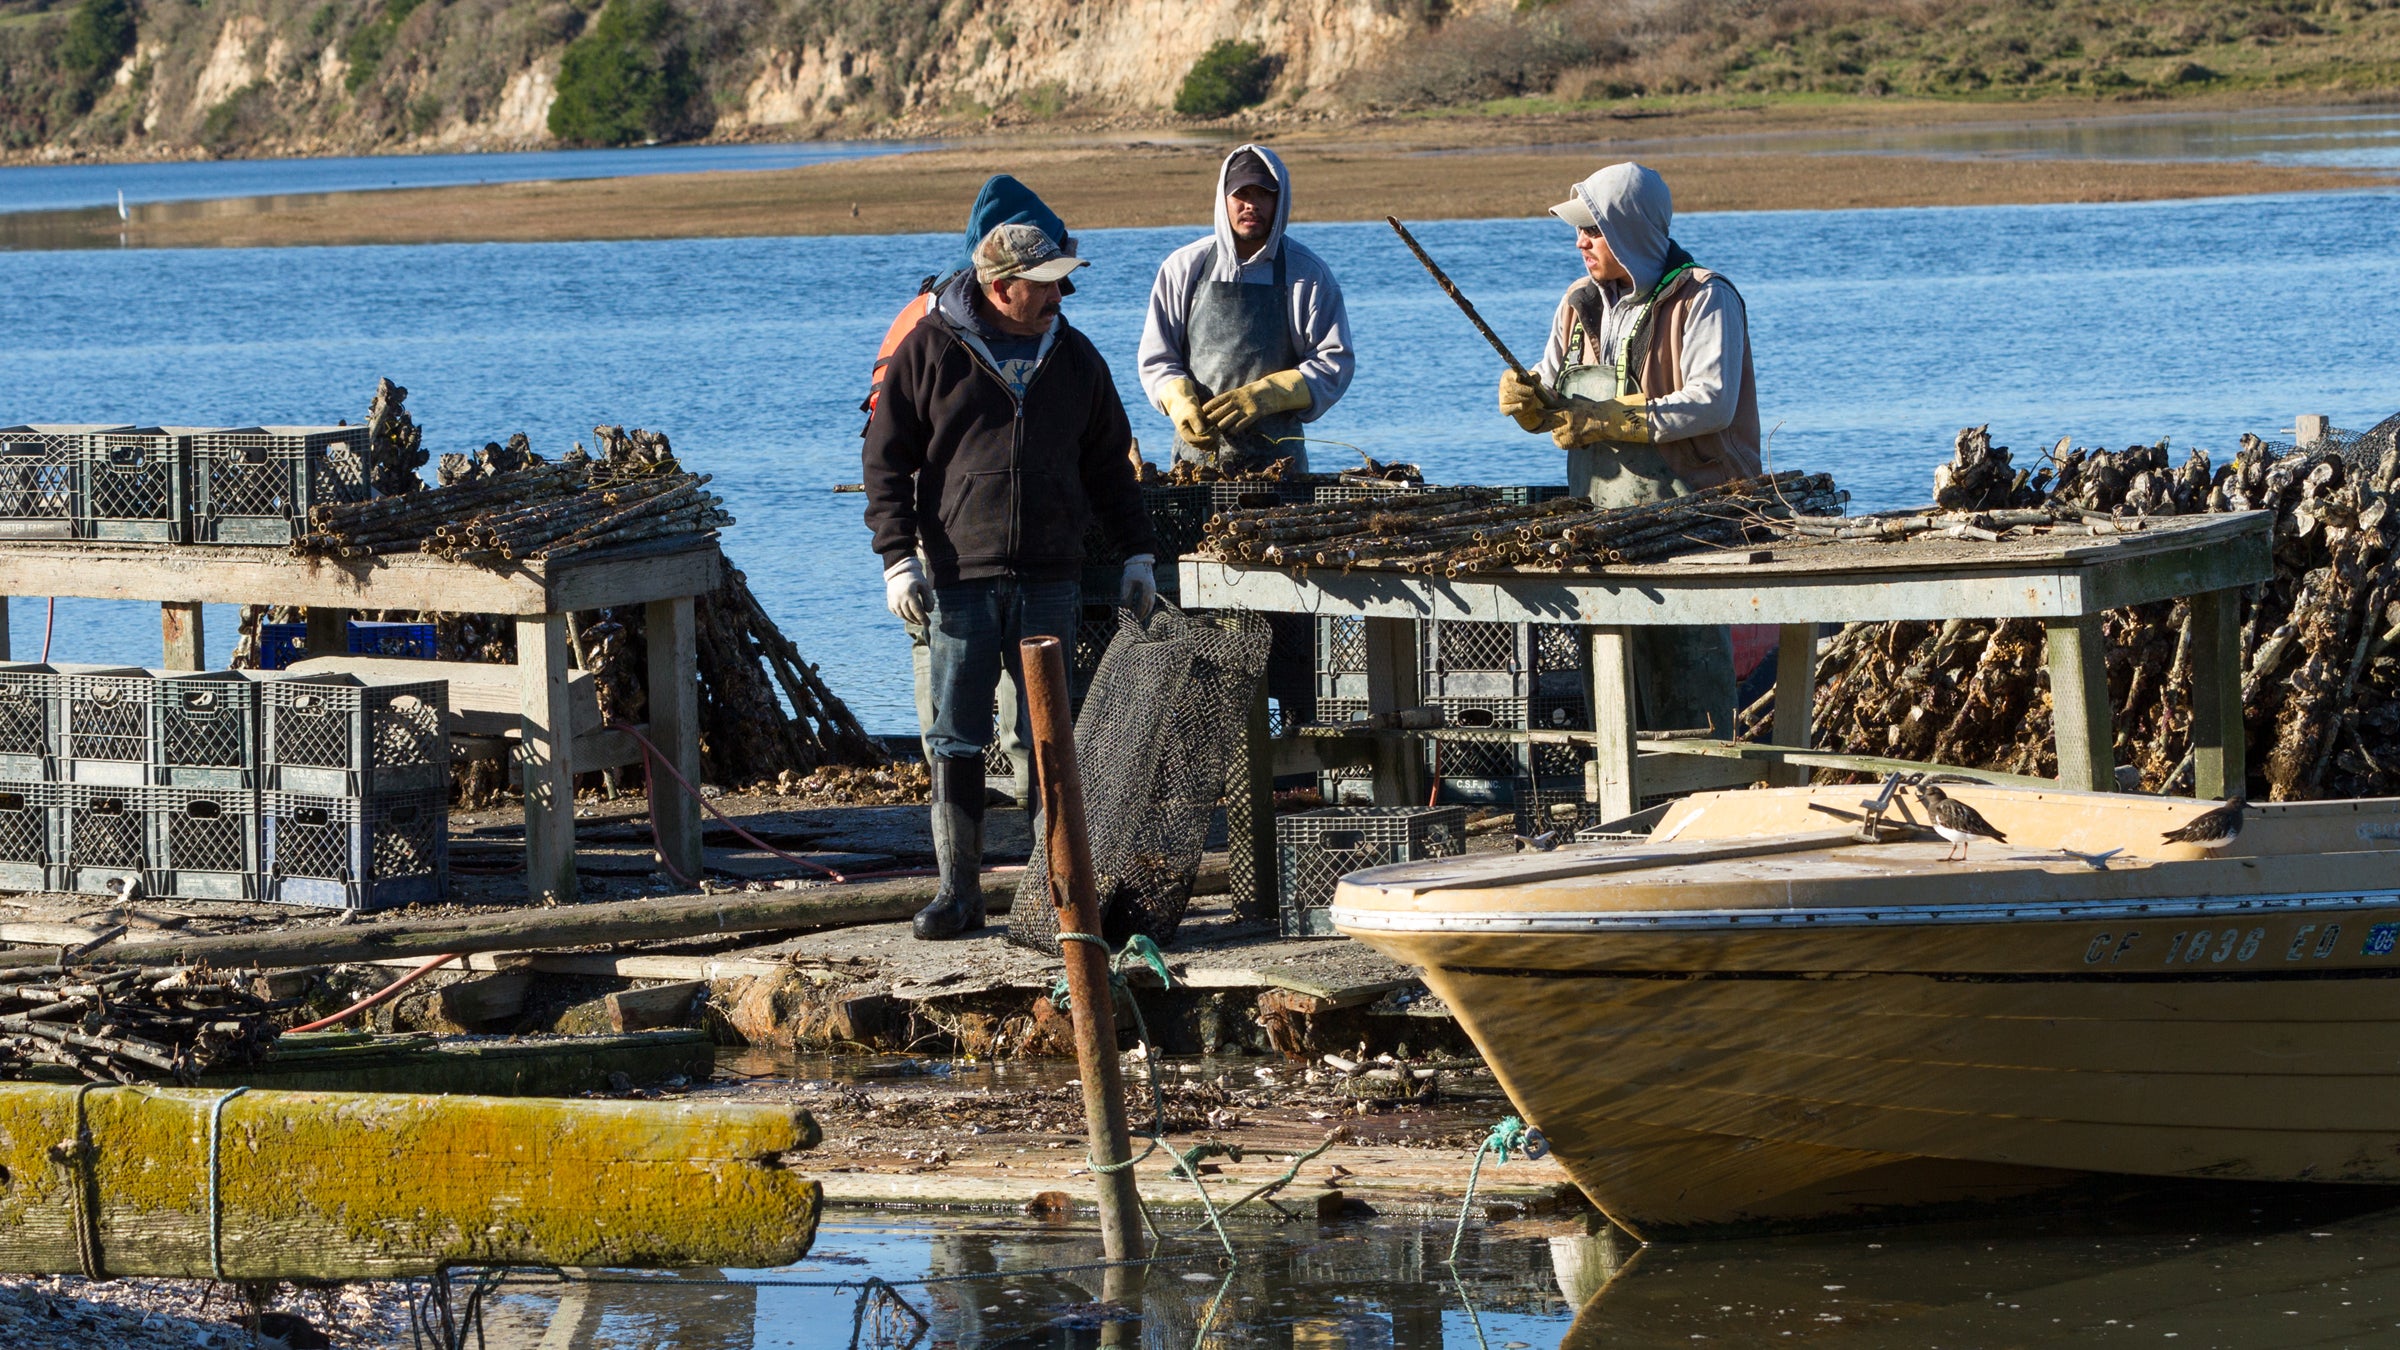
x: 918, y: 306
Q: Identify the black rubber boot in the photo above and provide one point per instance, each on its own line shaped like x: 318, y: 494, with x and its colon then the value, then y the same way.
x: 957, y: 848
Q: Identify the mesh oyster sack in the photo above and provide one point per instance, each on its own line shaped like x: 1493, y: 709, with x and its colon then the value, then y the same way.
x: 1158, y: 730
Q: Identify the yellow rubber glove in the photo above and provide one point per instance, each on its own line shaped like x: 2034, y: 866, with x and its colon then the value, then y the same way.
x: 1240, y: 409
x: 1585, y: 421
x: 1179, y: 399
x: 1524, y: 400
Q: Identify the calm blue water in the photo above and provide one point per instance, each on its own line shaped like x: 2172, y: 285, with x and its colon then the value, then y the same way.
x: 1877, y: 334
x: 62, y: 187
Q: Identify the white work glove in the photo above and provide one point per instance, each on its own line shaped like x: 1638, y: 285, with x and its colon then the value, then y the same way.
x: 905, y: 593
x: 1139, y: 590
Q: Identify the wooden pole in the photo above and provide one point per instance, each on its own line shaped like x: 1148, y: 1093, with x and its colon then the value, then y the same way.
x: 1073, y: 890
x: 356, y: 1185
x: 1457, y: 297
x: 181, y: 634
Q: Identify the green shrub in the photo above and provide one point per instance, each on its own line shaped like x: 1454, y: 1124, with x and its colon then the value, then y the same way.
x: 625, y: 80
x: 364, y: 51
x: 246, y: 117
x: 1227, y: 78
x: 99, y: 35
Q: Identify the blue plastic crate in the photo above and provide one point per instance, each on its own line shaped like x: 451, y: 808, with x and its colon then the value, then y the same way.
x: 280, y: 644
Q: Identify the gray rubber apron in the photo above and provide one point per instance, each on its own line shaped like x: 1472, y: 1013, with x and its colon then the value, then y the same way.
x: 1237, y: 333
x: 1682, y: 674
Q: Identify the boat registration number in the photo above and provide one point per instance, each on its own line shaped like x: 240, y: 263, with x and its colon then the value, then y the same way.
x: 2238, y: 943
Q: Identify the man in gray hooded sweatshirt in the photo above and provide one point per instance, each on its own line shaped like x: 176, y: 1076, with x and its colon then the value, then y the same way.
x: 1246, y: 337
x: 1646, y: 384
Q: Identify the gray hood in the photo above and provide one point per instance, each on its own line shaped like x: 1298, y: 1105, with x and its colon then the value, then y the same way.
x: 1635, y: 210
x: 1228, y: 265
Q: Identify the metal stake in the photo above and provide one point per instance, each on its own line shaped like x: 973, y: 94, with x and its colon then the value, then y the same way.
x: 1077, y: 897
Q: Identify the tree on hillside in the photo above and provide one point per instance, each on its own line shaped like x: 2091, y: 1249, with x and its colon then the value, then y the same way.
x: 98, y: 37
x: 626, y: 80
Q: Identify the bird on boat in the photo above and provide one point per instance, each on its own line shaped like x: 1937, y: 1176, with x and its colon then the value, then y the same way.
x: 1539, y: 843
x: 1957, y: 822
x: 2212, y: 829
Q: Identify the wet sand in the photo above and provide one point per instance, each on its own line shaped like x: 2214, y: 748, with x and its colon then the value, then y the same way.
x: 1427, y: 169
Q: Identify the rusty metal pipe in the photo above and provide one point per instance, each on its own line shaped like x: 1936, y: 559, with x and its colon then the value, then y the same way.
x: 1077, y: 897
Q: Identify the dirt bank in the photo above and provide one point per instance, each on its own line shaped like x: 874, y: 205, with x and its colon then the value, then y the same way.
x: 1421, y: 169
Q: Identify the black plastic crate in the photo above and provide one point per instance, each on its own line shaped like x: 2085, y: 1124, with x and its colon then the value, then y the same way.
x: 1180, y: 512
x: 104, y: 837
x: 1530, y: 494
x: 29, y: 836
x: 1316, y: 849
x: 1365, y: 492
x: 132, y: 485
x: 334, y: 735
x: 1544, y: 805
x: 102, y: 725
x: 27, y: 743
x: 252, y: 484
x: 204, y: 844
x: 204, y: 730
x: 355, y: 853
x: 1341, y: 657
x: 1451, y: 757
x: 39, y: 467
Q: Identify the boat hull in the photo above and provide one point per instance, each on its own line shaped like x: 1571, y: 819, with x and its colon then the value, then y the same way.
x: 1700, y: 1070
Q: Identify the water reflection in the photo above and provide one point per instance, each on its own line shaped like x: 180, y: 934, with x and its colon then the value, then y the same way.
x: 2328, y: 138
x: 2304, y: 1270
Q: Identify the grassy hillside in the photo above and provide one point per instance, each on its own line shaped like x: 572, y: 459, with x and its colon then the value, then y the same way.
x: 1585, y: 52
x: 284, y: 76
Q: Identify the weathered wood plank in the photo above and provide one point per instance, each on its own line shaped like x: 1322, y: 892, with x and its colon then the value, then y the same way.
x: 364, y: 1185
x: 1616, y: 773
x: 1828, y: 759
x: 675, y: 729
x: 2084, y: 727
x: 1394, y: 683
x: 181, y: 634
x: 665, y: 1005
x: 328, y: 631
x: 2220, y: 765
x: 645, y: 920
x: 1795, y: 696
x: 232, y: 575
x: 546, y: 714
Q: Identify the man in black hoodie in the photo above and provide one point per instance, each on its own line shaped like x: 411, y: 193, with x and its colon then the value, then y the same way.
x: 997, y: 440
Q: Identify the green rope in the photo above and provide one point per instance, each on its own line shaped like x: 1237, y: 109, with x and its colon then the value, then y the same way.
x: 1510, y: 1135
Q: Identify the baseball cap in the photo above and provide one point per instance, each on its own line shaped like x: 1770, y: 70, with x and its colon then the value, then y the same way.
x: 1016, y: 250
x: 1576, y: 210
x: 1247, y: 169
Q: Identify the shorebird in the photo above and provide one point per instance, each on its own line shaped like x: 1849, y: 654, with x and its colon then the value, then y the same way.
x: 1957, y: 822
x: 2211, y: 829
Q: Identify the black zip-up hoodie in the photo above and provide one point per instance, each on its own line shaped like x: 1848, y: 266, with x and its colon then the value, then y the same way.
x: 986, y: 484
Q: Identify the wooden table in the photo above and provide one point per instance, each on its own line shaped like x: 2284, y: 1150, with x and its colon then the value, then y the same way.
x: 181, y: 579
x: 2065, y: 581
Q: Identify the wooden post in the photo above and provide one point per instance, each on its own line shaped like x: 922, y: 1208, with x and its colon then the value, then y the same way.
x: 2082, y: 723
x: 1394, y: 684
x: 2219, y: 761
x: 1075, y: 891
x: 1250, y: 818
x: 180, y: 625
x: 328, y: 631
x: 1616, y: 771
x: 675, y: 729
x: 355, y: 1185
x: 5, y: 649
x: 2310, y: 428
x: 1795, y: 697
x: 542, y: 672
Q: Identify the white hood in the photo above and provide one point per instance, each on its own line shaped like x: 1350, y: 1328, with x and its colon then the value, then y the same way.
x: 1228, y: 265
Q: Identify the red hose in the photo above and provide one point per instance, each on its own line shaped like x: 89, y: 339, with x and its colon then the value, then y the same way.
x: 379, y: 995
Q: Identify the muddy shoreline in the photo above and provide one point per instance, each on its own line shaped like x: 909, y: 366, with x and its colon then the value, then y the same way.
x: 1433, y: 167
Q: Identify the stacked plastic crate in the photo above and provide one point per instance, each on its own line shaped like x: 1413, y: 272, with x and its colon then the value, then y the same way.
x: 29, y: 797
x: 249, y: 485
x: 357, y: 784
x: 39, y: 471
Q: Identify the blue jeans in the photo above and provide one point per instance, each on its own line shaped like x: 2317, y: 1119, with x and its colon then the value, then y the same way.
x: 973, y: 636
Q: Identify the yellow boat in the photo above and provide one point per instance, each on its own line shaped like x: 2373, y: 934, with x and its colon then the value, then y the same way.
x: 1751, y: 1017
